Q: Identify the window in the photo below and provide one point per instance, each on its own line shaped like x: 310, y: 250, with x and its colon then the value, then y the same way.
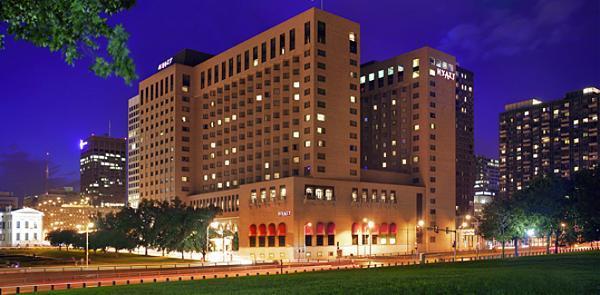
x: 281, y: 241
x: 308, y: 240
x: 330, y: 240
x: 252, y: 242
x: 282, y: 44
x: 263, y: 52
x: 321, y: 38
x: 354, y: 239
x: 273, y: 50
x: 255, y: 56
x: 292, y: 39
x: 319, y: 240
x: 306, y: 32
x: 238, y: 60
x: 246, y: 60
x: 353, y: 43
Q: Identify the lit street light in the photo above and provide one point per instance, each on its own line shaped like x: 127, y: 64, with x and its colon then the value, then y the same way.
x: 87, y: 241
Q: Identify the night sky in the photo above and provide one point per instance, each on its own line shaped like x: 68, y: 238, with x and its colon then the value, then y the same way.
x: 517, y: 49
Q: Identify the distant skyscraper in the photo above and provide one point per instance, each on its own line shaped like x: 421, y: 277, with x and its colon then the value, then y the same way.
x: 487, y: 177
x: 133, y: 149
x: 558, y: 137
x: 103, y: 169
x: 8, y: 199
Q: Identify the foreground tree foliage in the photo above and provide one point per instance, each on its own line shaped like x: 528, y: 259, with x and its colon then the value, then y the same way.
x: 566, y: 209
x: 167, y: 226
x: 74, y: 28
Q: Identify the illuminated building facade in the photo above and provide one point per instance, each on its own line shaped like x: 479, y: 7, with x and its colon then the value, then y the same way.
x: 269, y: 131
x: 133, y: 150
x: 542, y: 138
x: 487, y: 183
x: 103, y: 169
x: 417, y: 118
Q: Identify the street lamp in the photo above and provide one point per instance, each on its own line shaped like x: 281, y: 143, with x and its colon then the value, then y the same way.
x: 420, y: 225
x: 308, y: 224
x: 87, y: 242
x: 370, y: 225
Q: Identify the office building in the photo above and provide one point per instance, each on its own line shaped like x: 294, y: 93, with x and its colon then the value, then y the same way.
x: 487, y: 183
x: 269, y: 131
x: 133, y: 149
x: 8, y: 200
x: 103, y: 169
x: 542, y: 138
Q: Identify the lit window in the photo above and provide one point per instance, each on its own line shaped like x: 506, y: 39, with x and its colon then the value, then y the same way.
x: 296, y: 84
x: 226, y: 162
x: 307, y: 118
x: 380, y: 74
x: 416, y: 127
x: 362, y: 79
x: 432, y: 72
x: 297, y: 96
x: 296, y: 160
x: 307, y: 143
x: 374, y: 107
x: 390, y: 71
x: 371, y: 76
x: 353, y: 99
x: 296, y: 134
x: 415, y: 74
x: 266, y: 165
x: 184, y: 119
x: 384, y: 165
x: 400, y: 68
x: 259, y: 97
x: 320, y: 117
x: 432, y: 125
x: 415, y: 159
x: 415, y: 62
x: 320, y: 130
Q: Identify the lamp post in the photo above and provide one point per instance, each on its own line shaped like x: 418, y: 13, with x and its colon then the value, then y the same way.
x: 420, y: 225
x: 87, y: 242
x: 370, y: 225
x: 308, y: 224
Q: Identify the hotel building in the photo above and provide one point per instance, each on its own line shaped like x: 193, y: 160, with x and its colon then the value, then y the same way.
x: 417, y: 118
x: 487, y: 177
x: 541, y: 138
x: 270, y: 131
x: 102, y: 169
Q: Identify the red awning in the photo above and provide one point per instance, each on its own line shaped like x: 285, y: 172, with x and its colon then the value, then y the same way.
x: 308, y: 229
x: 252, y: 230
x: 272, y: 230
x: 393, y: 229
x: 262, y: 230
x: 320, y: 228
x: 355, y: 228
x: 383, y: 229
x: 331, y: 228
x: 281, y: 229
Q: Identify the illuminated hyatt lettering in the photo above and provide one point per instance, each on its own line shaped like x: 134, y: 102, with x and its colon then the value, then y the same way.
x: 446, y: 74
x: 165, y: 64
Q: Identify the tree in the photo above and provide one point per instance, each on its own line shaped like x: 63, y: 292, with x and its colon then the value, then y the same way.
x: 60, y: 238
x: 73, y: 27
x: 547, y: 200
x: 146, y: 227
x: 586, y: 197
x: 504, y: 222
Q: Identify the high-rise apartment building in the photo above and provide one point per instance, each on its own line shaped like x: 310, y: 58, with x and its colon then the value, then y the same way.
x: 487, y: 183
x: 269, y: 131
x: 557, y: 137
x: 133, y: 150
x: 103, y: 169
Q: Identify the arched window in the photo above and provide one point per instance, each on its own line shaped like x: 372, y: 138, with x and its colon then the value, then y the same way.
x: 329, y: 194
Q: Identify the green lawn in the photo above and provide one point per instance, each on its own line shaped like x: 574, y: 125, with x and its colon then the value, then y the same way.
x: 577, y: 273
x: 53, y: 256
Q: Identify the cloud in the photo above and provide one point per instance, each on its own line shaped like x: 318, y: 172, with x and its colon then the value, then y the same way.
x: 506, y: 32
x: 23, y: 174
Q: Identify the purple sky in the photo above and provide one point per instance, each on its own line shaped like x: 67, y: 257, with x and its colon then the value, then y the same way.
x: 517, y: 49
